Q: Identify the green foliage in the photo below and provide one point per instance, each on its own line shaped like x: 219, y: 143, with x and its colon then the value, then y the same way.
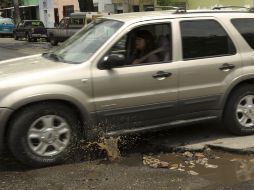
x: 164, y: 2
x: 9, y: 3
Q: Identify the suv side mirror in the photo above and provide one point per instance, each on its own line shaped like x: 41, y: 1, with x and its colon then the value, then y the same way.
x: 113, y: 60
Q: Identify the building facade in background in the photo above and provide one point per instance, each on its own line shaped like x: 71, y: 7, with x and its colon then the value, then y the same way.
x: 48, y: 11
x: 103, y: 6
x: 52, y: 11
x: 208, y: 4
x: 123, y: 6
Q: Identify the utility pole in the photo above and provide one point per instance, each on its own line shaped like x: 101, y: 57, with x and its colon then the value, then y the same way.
x: 155, y: 4
x: 16, y: 11
x: 141, y: 5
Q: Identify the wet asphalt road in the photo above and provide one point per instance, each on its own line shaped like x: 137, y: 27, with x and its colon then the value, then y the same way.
x: 127, y: 172
x: 7, y: 54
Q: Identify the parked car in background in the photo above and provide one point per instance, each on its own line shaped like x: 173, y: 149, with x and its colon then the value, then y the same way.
x: 6, y: 26
x: 31, y: 30
x: 70, y: 25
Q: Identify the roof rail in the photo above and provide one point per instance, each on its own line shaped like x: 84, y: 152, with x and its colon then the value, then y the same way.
x: 251, y: 9
x: 177, y: 9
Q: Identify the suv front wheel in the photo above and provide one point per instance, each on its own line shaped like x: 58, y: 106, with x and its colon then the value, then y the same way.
x: 44, y: 134
x: 239, y: 112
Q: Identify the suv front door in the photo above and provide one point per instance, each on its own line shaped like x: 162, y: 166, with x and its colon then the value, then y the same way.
x: 210, y: 62
x: 135, y: 95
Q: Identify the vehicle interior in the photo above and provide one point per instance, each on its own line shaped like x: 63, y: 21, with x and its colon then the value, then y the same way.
x: 162, y: 40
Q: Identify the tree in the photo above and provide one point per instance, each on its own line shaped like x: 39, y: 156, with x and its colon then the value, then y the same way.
x: 15, y: 4
x: 16, y: 13
x: 6, y: 3
x: 86, y: 5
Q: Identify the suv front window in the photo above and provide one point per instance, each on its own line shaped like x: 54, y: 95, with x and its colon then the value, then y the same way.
x: 147, y: 44
x: 81, y: 46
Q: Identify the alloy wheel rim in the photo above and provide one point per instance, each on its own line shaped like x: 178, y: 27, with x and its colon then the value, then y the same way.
x: 245, y: 111
x: 49, y: 135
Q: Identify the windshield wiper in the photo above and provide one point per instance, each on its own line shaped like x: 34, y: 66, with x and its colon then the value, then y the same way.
x: 53, y: 56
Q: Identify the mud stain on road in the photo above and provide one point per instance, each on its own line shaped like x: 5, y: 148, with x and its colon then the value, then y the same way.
x: 222, y: 168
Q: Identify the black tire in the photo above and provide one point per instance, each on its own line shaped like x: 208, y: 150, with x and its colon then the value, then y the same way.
x: 230, y: 120
x: 15, y: 36
x: 28, y: 37
x: 18, y: 135
x: 53, y: 41
x: 35, y: 39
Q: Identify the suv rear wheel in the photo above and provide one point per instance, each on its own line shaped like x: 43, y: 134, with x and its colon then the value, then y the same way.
x: 44, y: 134
x: 239, y: 112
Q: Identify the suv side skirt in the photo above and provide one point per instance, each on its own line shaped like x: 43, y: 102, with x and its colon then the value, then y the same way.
x: 169, y: 125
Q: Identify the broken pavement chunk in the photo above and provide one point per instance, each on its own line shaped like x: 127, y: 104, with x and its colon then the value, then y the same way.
x: 191, y: 172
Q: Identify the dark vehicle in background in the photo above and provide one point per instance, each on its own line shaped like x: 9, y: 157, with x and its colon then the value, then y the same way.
x: 31, y: 30
x: 69, y: 26
x: 6, y: 26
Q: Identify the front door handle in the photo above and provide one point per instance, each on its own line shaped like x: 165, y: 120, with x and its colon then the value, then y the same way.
x: 161, y: 75
x: 227, y: 67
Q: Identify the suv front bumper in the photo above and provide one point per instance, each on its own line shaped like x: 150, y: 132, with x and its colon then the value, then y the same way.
x: 4, y: 116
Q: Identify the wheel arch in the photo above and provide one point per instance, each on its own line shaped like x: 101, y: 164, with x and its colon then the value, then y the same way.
x: 235, y: 85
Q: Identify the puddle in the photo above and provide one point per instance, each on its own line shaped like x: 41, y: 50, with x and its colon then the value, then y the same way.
x: 218, y: 167
x: 222, y: 168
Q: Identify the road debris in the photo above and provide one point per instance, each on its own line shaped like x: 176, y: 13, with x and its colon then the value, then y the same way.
x: 187, y: 161
x: 191, y: 172
x: 154, y: 163
x: 211, y: 166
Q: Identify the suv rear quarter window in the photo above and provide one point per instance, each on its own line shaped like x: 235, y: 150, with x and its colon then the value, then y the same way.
x: 205, y: 38
x: 246, y: 28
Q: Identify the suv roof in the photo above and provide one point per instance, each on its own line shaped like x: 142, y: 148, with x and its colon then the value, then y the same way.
x: 171, y: 14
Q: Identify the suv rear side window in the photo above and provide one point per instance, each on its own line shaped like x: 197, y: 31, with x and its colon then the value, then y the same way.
x: 246, y: 27
x: 205, y: 38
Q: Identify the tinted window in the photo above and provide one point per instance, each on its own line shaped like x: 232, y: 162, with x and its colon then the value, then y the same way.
x: 34, y: 23
x: 246, y: 28
x: 205, y: 38
x: 77, y: 21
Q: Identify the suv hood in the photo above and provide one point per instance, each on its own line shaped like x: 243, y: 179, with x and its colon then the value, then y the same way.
x: 27, y: 65
x: 33, y: 70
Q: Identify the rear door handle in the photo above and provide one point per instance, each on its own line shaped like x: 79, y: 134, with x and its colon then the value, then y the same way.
x: 227, y: 67
x: 161, y: 75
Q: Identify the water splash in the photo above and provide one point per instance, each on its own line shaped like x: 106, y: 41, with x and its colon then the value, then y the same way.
x: 110, y: 145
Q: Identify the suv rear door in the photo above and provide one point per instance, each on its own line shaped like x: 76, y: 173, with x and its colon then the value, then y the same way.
x: 210, y: 62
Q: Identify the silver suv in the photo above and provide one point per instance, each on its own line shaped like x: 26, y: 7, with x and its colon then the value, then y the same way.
x: 129, y: 73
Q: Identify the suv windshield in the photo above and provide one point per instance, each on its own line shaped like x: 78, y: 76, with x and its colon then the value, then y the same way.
x: 6, y: 21
x: 81, y: 46
x: 35, y: 23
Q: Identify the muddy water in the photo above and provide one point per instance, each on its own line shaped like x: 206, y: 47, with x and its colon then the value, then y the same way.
x: 109, y: 145
x: 224, y: 168
x: 219, y: 167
